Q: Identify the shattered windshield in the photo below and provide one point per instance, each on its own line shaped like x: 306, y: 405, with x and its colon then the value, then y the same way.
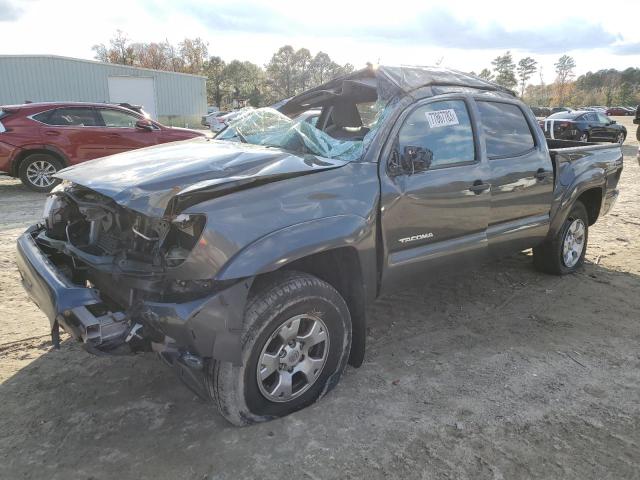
x: 345, y: 136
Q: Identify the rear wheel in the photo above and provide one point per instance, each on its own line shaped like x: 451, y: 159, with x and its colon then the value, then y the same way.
x: 295, y: 345
x: 584, y: 137
x: 37, y: 170
x: 565, y: 252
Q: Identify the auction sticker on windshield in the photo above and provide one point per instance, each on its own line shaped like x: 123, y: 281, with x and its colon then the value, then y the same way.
x: 442, y: 118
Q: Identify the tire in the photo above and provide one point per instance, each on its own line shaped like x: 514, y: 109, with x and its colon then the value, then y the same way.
x: 620, y: 138
x: 584, y: 137
x: 638, y: 133
x: 551, y: 257
x: 245, y: 395
x: 36, y: 172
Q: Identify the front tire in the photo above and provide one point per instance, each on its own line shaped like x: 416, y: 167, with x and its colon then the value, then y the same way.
x: 37, y: 170
x: 565, y: 252
x: 295, y: 346
x: 584, y: 137
x: 620, y: 138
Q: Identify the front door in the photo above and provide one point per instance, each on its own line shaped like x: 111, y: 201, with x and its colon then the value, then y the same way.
x: 521, y: 178
x: 119, y: 132
x: 433, y: 218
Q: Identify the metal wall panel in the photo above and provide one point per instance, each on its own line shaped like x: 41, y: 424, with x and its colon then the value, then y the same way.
x: 181, y: 98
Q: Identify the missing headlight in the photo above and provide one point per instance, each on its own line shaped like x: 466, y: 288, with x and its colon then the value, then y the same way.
x: 182, y: 237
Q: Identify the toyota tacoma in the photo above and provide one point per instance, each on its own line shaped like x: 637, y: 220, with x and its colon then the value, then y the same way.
x: 246, y: 261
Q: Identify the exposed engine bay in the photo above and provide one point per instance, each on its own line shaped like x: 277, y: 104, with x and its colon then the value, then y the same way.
x: 123, y: 255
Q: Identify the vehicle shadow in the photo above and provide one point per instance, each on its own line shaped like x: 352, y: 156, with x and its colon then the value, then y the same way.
x: 464, y: 344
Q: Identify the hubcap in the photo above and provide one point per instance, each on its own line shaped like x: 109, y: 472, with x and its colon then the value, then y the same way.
x: 40, y: 173
x: 620, y: 138
x: 573, y: 243
x: 584, y: 137
x: 293, y: 358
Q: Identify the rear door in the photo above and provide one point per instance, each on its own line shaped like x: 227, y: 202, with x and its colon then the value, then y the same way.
x: 73, y: 131
x: 435, y: 219
x: 119, y: 132
x: 521, y: 177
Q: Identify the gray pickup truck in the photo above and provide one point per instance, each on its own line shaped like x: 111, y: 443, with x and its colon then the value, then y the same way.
x: 246, y: 261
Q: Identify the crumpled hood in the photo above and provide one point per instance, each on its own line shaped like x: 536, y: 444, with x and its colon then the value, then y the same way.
x: 146, y: 180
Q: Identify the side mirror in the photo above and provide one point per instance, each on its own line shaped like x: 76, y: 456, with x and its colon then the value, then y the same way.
x: 416, y: 159
x: 612, y: 122
x: 144, y: 125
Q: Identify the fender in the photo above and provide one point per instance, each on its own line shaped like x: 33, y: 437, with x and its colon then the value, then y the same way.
x: 279, y: 248
x: 576, y: 186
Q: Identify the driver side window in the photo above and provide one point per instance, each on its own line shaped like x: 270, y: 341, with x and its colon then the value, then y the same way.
x: 117, y: 119
x: 441, y: 128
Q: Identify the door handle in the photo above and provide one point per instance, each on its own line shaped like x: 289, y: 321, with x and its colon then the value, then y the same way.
x: 113, y: 135
x: 541, y: 174
x: 479, y: 186
x: 51, y: 133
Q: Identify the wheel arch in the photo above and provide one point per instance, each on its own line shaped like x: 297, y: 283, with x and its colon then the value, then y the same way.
x: 27, y: 151
x: 592, y: 200
x: 339, y: 250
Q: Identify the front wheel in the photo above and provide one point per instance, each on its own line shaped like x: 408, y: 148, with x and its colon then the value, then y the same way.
x: 295, y: 346
x: 565, y: 252
x: 620, y: 138
x: 37, y: 171
x: 584, y: 137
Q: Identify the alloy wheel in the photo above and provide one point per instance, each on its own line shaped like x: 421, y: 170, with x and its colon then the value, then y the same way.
x: 292, y: 358
x: 573, y: 243
x: 40, y: 173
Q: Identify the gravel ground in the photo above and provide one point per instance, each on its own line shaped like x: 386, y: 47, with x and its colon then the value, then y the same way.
x: 498, y: 374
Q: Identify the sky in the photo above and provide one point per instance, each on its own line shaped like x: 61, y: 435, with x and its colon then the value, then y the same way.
x: 461, y: 34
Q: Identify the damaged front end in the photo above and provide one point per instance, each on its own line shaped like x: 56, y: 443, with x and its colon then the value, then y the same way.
x: 105, y: 274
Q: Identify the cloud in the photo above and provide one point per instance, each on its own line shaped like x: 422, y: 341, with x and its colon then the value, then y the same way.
x: 434, y: 27
x: 8, y: 11
x: 440, y: 28
x: 626, y: 48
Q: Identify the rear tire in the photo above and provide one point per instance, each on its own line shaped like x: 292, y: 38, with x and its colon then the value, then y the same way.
x: 565, y: 252
x: 584, y: 137
x: 37, y: 170
x: 295, y: 346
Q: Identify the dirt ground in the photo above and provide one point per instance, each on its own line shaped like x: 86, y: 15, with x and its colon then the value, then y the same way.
x: 499, y: 374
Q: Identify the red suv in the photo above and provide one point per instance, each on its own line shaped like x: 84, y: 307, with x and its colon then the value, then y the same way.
x: 38, y: 139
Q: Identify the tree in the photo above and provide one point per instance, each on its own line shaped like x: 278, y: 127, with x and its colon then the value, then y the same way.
x: 120, y: 50
x: 526, y: 68
x: 215, y: 70
x: 486, y: 74
x: 281, y: 71
x: 505, y: 70
x: 564, y: 70
x: 321, y: 68
x: 194, y: 54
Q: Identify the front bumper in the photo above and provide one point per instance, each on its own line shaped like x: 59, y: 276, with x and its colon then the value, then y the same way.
x: 208, y: 327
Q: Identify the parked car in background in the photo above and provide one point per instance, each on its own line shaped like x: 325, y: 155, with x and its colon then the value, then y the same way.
x: 208, y: 118
x: 560, y: 109
x: 618, y: 111
x: 38, y: 139
x: 541, y: 112
x: 598, y: 108
x: 219, y: 123
x: 583, y: 126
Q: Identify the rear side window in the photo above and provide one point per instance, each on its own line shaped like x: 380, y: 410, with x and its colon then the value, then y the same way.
x: 506, y: 130
x: 444, y: 128
x: 118, y: 119
x: 69, y: 117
